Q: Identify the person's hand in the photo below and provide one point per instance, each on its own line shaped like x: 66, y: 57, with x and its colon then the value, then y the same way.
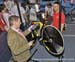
x: 30, y: 43
x: 30, y: 28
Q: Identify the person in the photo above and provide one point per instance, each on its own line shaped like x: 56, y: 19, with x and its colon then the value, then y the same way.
x: 22, y: 10
x: 6, y: 15
x: 17, y: 42
x: 33, y: 14
x: 56, y: 16
x: 49, y: 9
x: 3, y: 23
x: 9, y: 4
x: 32, y: 1
x: 48, y: 13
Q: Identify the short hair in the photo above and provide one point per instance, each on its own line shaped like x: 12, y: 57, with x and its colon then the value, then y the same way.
x: 2, y: 6
x: 49, y: 4
x: 4, y: 0
x: 13, y: 18
x: 58, y: 3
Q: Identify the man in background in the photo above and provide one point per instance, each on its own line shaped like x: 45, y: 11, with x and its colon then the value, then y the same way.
x: 49, y: 13
x: 14, y: 10
x: 56, y: 16
x: 9, y: 4
x: 3, y: 23
x: 49, y: 10
x: 33, y: 14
